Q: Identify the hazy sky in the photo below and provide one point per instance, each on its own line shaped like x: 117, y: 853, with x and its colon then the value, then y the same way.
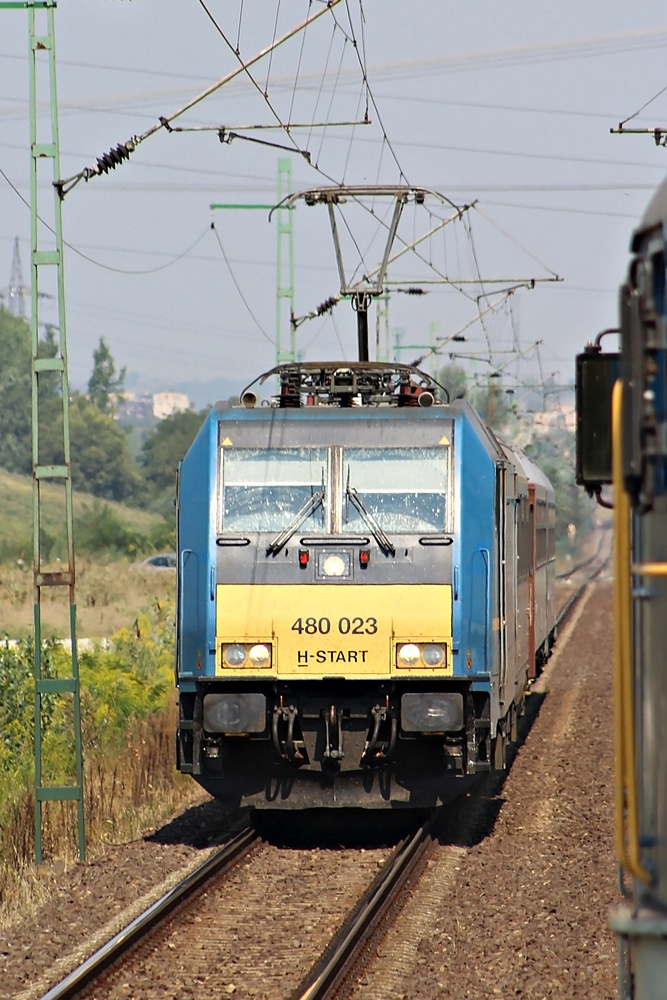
x: 509, y: 103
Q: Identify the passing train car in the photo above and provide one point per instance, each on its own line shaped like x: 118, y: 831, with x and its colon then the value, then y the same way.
x: 365, y: 587
x: 623, y: 439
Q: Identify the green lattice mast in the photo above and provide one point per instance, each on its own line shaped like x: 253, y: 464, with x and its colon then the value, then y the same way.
x: 47, y: 253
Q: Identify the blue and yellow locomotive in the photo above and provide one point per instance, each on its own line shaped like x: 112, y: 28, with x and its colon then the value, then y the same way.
x: 365, y: 587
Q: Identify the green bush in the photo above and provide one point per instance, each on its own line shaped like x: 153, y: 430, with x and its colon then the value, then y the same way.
x: 99, y: 529
x: 125, y: 682
x: 128, y: 720
x: 129, y: 680
x: 18, y: 692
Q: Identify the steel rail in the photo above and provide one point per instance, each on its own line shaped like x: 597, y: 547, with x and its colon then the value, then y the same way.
x: 575, y: 597
x: 126, y: 938
x: 327, y: 975
x: 345, y: 947
x: 584, y: 562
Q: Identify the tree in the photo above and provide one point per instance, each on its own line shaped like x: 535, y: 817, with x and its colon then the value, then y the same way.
x: 454, y: 379
x: 14, y: 342
x: 101, y: 460
x: 15, y: 390
x: 490, y: 401
x: 553, y: 453
x: 104, y: 386
x: 162, y: 451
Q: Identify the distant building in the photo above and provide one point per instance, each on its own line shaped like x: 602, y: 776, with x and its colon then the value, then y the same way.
x: 564, y: 417
x: 157, y: 406
x: 133, y: 407
x: 166, y: 403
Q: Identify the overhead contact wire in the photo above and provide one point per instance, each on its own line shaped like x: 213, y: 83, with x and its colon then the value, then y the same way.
x: 639, y: 110
x: 239, y: 289
x: 516, y: 243
x: 322, y: 78
x: 376, y: 109
x: 273, y: 42
x: 98, y: 263
x: 246, y: 69
x: 238, y: 31
x: 331, y: 100
x: 298, y: 65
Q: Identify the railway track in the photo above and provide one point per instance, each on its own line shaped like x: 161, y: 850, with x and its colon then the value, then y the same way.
x: 360, y: 940
x: 338, y: 962
x: 121, y: 944
x: 369, y: 914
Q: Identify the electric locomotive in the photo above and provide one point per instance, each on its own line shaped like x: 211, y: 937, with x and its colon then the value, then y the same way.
x: 365, y: 588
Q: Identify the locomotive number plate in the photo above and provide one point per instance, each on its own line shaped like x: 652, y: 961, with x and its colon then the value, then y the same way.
x: 329, y: 629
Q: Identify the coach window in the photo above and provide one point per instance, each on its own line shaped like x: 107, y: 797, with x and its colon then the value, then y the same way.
x: 525, y: 541
x: 405, y: 489
x: 263, y: 489
x: 541, y: 528
x: 551, y: 544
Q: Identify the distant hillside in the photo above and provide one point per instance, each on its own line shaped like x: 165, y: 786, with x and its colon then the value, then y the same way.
x: 16, y: 520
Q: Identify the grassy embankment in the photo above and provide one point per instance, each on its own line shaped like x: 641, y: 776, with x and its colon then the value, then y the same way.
x: 127, y: 692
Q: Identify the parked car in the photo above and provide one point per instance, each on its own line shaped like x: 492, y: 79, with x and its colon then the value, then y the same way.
x: 163, y: 560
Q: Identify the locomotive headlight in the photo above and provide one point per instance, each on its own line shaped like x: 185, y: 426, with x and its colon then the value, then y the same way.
x: 334, y: 565
x: 234, y: 713
x: 433, y: 655
x: 260, y: 655
x: 234, y: 655
x: 408, y: 655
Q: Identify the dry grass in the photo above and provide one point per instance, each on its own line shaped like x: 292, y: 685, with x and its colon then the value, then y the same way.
x: 108, y: 595
x: 125, y: 797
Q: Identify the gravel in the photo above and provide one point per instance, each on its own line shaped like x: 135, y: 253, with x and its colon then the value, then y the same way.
x: 523, y: 912
x: 520, y: 913
x: 91, y: 901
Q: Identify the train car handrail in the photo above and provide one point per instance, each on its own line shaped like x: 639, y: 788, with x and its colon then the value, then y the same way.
x: 486, y: 556
x: 624, y: 712
x: 181, y: 570
x: 650, y: 569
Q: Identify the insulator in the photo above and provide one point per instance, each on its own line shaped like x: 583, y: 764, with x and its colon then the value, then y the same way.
x: 108, y: 161
x: 327, y: 305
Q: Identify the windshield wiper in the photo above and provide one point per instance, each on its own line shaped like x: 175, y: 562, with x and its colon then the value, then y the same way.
x: 375, y: 529
x: 311, y: 505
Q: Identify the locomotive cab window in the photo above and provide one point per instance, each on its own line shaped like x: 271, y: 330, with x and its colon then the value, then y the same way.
x: 404, y: 489
x: 263, y: 489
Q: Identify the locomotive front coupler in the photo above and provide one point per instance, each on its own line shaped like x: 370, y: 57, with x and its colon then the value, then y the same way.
x: 333, y: 724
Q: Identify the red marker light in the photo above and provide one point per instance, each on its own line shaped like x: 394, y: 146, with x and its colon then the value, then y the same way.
x: 303, y: 557
x: 364, y: 557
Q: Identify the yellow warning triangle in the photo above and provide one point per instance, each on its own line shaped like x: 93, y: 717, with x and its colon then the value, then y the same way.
x: 443, y: 440
x: 226, y: 441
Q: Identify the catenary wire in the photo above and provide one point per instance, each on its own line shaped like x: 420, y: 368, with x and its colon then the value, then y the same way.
x: 98, y: 263
x: 252, y: 80
x: 239, y: 289
x: 639, y: 110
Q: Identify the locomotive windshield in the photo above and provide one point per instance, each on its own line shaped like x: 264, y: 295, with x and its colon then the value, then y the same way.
x: 265, y: 488
x: 404, y: 489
